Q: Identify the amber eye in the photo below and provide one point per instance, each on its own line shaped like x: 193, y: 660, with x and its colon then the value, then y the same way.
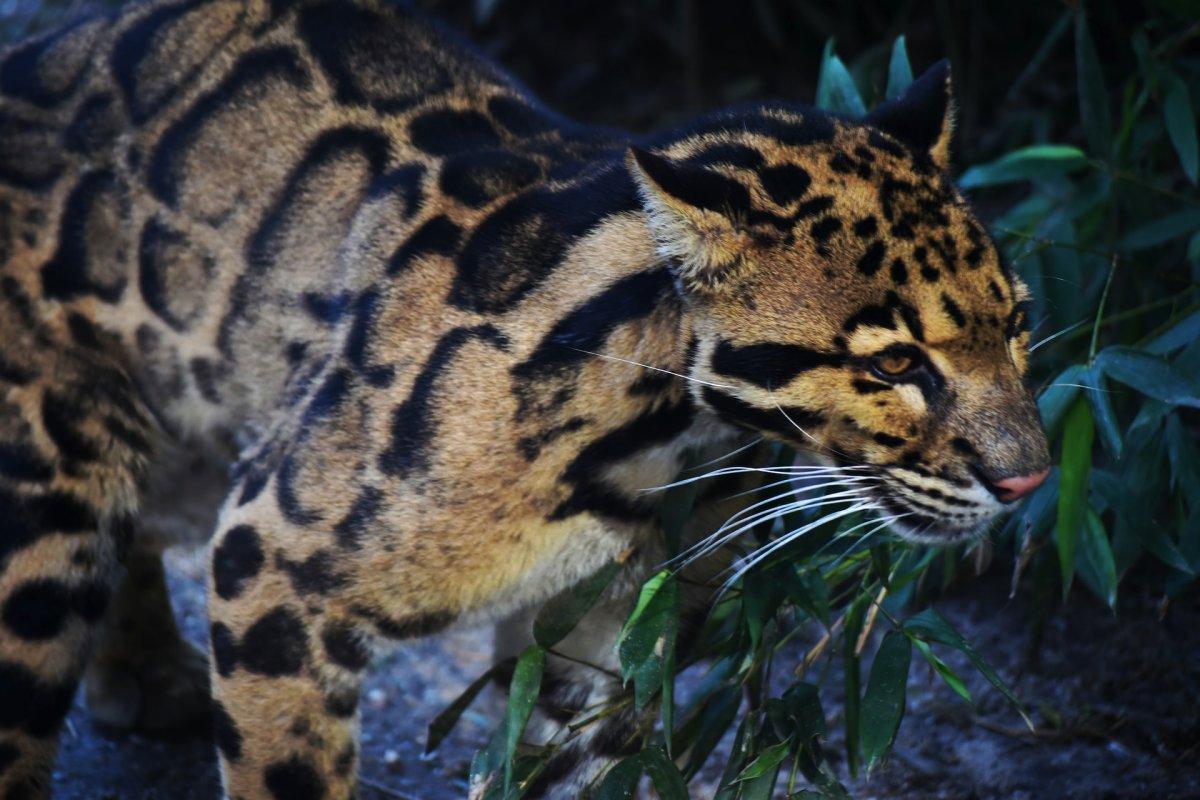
x: 894, y: 364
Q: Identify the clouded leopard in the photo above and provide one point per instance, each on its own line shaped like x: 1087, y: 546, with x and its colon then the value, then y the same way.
x: 434, y: 341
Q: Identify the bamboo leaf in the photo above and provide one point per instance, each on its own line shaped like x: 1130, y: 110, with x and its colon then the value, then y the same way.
x: 1151, y: 375
x: 836, y: 91
x: 1078, y: 433
x: 1037, y: 162
x: 622, y: 780
x: 883, y: 700
x: 1180, y: 120
x: 900, y: 75
x: 522, y: 694
x: 562, y: 613
x: 664, y: 775
x: 1093, y: 99
x: 445, y: 721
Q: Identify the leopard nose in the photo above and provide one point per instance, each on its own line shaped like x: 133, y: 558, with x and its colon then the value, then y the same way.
x: 1012, y: 489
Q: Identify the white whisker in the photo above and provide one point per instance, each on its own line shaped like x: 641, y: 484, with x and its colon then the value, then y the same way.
x: 656, y: 369
x: 1054, y: 336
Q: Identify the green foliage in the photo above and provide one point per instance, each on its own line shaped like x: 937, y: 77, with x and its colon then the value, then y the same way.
x: 1095, y: 206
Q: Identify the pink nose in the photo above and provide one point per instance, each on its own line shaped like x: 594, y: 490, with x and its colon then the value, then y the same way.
x: 1015, y: 488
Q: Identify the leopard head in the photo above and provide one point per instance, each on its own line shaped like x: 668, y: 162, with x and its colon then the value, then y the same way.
x: 844, y: 298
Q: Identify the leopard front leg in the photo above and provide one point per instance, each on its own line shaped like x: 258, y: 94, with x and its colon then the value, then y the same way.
x: 286, y: 675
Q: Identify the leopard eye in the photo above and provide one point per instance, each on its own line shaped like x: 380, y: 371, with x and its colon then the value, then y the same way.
x: 893, y: 365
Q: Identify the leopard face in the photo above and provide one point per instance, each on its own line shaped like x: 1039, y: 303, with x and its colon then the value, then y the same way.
x: 847, y: 301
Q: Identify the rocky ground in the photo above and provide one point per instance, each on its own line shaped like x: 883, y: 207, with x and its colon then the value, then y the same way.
x: 1116, y: 701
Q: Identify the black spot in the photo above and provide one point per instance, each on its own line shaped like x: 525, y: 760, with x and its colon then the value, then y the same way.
x: 785, y: 183
x: 328, y: 396
x: 342, y: 701
x: 20, y: 462
x: 995, y: 290
x: 359, y: 339
x: 326, y: 309
x: 252, y: 70
x: 899, y: 272
x: 344, y: 646
x: 404, y: 181
x: 870, y: 387
x: 769, y: 365
x: 96, y: 125
x: 89, y: 207
x: 413, y: 425
x: 444, y: 132
x: 350, y: 528
x: 531, y: 446
x: 826, y: 227
x: 205, y: 376
x: 38, y: 609
x: 588, y: 326
x: 411, y: 627
x: 740, y: 413
x: 344, y: 762
x: 226, y: 733
x: 236, y: 561
x: 374, y: 59
x: 727, y: 154
x: 286, y: 496
x: 887, y: 440
x: 963, y: 447
x: 277, y: 644
x: 842, y: 163
x: 314, y: 575
x: 61, y: 415
x: 872, y: 259
x: 589, y: 492
x: 866, y: 227
x: 953, y: 311
x: 438, y: 236
x: 294, y: 779
x: 476, y: 179
x: 29, y: 704
x: 519, y: 245
x: 812, y: 207
x: 224, y: 649
x: 520, y: 118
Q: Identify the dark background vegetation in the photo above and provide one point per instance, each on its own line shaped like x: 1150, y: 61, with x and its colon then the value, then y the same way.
x: 1099, y: 636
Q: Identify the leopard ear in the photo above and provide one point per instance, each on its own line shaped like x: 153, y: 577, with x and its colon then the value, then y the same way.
x: 690, y: 213
x: 922, y: 117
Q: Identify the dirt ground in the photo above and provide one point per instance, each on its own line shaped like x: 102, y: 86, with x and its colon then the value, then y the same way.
x: 1116, y: 702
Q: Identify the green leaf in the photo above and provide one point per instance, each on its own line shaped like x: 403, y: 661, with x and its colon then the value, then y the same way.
x: 900, y: 75
x: 715, y: 719
x: 1078, y: 433
x: 803, y: 702
x: 621, y: 782
x: 883, y: 700
x: 522, y: 694
x: 1099, y: 398
x: 649, y: 636
x: 1161, y: 230
x: 1093, y: 99
x: 1058, y: 396
x: 808, y: 591
x: 743, y: 744
x: 664, y: 775
x: 1180, y: 120
x: 852, y: 678
x: 1182, y: 333
x: 1151, y: 375
x: 836, y: 91
x: 947, y: 674
x: 445, y: 721
x: 933, y: 627
x: 1037, y: 162
x: 766, y: 761
x: 562, y: 613
x: 1096, y: 560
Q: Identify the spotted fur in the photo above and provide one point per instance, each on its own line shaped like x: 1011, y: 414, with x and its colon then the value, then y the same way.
x: 430, y: 342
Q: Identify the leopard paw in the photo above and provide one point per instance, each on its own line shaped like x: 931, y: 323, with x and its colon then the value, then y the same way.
x: 160, y: 693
